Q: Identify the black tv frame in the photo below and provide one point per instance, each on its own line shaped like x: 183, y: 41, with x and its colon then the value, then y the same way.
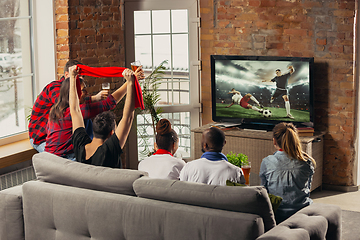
x: 263, y: 124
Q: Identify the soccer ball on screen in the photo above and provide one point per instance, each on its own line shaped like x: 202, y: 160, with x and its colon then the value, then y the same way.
x: 267, y: 113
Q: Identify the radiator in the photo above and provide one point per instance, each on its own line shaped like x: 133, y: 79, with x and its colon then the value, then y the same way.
x: 17, y: 177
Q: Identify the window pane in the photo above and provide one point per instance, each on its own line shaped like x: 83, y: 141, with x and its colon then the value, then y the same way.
x: 162, y: 49
x: 179, y: 21
x: 14, y: 108
x: 142, y: 22
x: 143, y: 50
x: 180, y: 52
x: 161, y: 21
x: 15, y: 67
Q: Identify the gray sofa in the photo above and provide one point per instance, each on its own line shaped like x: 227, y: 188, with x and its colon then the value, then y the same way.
x: 71, y: 200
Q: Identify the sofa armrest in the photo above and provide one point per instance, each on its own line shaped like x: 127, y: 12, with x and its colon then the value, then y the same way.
x: 317, y: 221
x: 11, y: 214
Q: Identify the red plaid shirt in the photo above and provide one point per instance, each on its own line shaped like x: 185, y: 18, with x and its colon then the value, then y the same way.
x: 59, y: 137
x: 40, y: 112
x: 41, y: 109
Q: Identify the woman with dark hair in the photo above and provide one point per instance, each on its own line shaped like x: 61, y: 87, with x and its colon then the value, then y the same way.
x: 59, y: 126
x: 162, y: 164
x: 288, y: 172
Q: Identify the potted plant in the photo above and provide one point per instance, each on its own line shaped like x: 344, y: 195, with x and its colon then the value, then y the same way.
x: 151, y: 97
x: 239, y: 159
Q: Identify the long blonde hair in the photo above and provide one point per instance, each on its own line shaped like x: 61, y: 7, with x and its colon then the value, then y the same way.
x: 286, y: 137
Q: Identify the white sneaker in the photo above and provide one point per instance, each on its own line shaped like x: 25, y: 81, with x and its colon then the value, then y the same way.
x: 290, y: 116
x: 271, y: 100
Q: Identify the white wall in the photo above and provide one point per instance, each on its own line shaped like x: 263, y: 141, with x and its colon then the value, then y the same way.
x: 44, y: 43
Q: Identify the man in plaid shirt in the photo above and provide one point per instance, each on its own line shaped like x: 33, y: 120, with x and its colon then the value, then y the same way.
x: 44, y: 102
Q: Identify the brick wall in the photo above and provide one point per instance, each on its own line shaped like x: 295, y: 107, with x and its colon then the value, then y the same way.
x: 299, y: 28
x: 92, y: 32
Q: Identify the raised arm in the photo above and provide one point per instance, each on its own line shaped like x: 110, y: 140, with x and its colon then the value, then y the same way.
x: 120, y: 93
x: 75, y: 112
x: 123, y: 129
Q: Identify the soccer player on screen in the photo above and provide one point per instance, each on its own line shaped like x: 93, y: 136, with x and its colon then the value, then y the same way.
x: 244, y: 101
x: 281, y: 88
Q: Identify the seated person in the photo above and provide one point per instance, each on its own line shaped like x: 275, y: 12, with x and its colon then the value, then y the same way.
x: 44, y: 102
x: 59, y: 126
x: 213, y: 167
x: 162, y: 164
x: 288, y: 172
x: 106, y: 147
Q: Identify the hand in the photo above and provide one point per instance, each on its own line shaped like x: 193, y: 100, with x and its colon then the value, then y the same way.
x: 139, y: 73
x: 101, y: 95
x: 128, y: 75
x: 73, y: 71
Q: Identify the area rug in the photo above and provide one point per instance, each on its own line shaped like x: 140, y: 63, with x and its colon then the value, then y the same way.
x: 350, y: 225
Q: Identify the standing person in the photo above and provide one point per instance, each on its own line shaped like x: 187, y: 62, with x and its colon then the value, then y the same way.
x: 213, y: 167
x: 44, y: 102
x: 162, y: 164
x: 288, y: 172
x: 244, y: 101
x: 106, y: 146
x: 59, y: 127
x: 281, y: 88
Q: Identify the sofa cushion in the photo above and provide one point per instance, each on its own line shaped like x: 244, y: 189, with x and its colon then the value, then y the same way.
x: 53, y: 211
x: 11, y: 214
x: 316, y: 221
x: 252, y: 200
x: 54, y: 169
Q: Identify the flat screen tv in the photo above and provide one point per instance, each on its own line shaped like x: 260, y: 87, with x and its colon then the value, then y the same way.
x: 261, y: 91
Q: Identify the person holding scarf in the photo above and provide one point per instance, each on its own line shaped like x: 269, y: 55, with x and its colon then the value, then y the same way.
x: 162, y: 164
x: 106, y: 146
x: 213, y: 167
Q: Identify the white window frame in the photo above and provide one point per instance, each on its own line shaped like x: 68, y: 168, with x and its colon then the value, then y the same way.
x: 193, y: 13
x: 43, y: 54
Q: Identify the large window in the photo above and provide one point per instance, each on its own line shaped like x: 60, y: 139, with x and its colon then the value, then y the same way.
x: 167, y: 30
x: 16, y: 72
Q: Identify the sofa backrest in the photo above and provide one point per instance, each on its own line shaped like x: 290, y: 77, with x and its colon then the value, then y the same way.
x: 54, y: 169
x: 53, y: 211
x: 254, y: 200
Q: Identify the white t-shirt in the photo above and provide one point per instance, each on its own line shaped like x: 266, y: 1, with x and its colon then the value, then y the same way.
x: 211, y: 172
x: 236, y: 98
x: 162, y: 166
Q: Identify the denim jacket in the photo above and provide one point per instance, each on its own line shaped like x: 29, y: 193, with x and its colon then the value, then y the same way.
x: 289, y: 179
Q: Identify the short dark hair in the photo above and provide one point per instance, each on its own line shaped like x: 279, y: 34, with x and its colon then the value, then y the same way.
x: 103, y: 124
x: 278, y: 70
x: 215, y: 138
x: 69, y: 64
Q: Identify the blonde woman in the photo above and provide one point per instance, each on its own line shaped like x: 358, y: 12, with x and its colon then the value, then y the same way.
x: 288, y: 172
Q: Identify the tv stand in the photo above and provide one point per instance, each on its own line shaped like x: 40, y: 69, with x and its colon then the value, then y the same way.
x: 257, y: 144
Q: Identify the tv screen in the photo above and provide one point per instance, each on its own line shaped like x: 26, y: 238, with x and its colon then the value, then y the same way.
x: 262, y: 90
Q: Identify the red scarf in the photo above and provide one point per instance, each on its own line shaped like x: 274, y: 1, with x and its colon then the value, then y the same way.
x: 112, y: 72
x: 162, y: 151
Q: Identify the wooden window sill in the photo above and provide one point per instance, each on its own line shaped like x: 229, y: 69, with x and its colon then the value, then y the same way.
x: 17, y: 152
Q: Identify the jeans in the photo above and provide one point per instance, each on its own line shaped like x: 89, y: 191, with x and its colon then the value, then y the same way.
x: 40, y: 147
